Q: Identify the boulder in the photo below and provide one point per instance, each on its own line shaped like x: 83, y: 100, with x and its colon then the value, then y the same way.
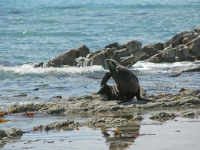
x: 182, y: 38
x: 133, y: 58
x: 194, y: 47
x: 14, y: 132
x: 174, y: 41
x: 160, y: 46
x: 127, y: 54
x: 3, y: 133
x: 82, y: 51
x: 115, y: 45
x: 112, y: 45
x: 150, y: 50
x: 197, y: 29
x: 128, y: 61
x: 188, y: 36
x: 182, y: 53
x: 40, y: 64
x: 98, y: 59
x: 119, y: 54
x: 66, y: 58
x: 156, y: 58
x: 90, y: 55
x: 10, y: 134
x: 133, y: 46
x: 109, y: 53
x: 170, y: 55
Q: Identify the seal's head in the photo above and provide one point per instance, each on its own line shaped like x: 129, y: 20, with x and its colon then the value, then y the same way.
x: 112, y: 65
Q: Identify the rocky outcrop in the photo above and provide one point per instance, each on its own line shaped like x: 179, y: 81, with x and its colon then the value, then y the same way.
x: 126, y: 54
x: 170, y: 55
x: 151, y: 50
x: 58, y: 125
x: 163, y: 116
x: 66, y: 58
x: 194, y: 47
x: 82, y: 51
x: 95, y: 104
x: 184, y: 46
x: 10, y: 134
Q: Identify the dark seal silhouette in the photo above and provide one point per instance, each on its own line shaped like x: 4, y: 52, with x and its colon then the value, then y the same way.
x: 127, y: 84
x: 111, y: 91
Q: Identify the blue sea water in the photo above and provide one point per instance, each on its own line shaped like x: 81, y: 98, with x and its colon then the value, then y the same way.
x: 38, y: 30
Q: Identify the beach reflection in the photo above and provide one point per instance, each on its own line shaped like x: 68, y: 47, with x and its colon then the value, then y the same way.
x: 122, y: 136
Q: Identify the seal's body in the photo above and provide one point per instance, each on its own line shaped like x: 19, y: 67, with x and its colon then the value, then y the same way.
x: 111, y: 91
x: 127, y: 83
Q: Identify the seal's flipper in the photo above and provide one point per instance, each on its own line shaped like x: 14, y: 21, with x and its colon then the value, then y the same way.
x: 105, y: 78
x: 139, y: 98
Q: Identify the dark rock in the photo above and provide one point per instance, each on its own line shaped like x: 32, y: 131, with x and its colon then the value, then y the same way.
x: 14, y: 132
x: 109, y: 53
x: 66, y: 58
x: 58, y: 125
x: 128, y: 61
x: 157, y: 58
x: 150, y: 50
x: 170, y: 55
x: 175, y: 75
x: 163, y: 115
x: 174, y: 41
x: 3, y: 133
x: 119, y: 54
x: 82, y: 51
x: 40, y: 64
x: 56, y: 110
x: 93, y: 54
x: 160, y: 46
x: 112, y: 45
x: 133, y: 58
x: 194, y: 47
x: 197, y: 29
x: 133, y: 46
x: 98, y: 59
x: 10, y: 134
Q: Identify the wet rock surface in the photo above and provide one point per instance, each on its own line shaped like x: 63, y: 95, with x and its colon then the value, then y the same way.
x: 94, y: 104
x: 10, y: 134
x: 59, y: 125
x: 163, y: 115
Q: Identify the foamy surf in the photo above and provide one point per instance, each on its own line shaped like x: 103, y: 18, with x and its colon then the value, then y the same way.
x: 140, y: 65
x: 163, y: 67
x: 29, y: 69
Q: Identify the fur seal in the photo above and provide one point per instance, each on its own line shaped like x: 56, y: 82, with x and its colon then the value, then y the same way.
x: 111, y: 91
x: 127, y: 82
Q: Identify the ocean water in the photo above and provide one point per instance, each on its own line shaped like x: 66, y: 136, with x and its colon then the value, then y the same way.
x: 33, y: 31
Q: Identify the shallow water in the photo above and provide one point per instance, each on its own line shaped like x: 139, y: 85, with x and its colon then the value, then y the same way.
x: 179, y: 132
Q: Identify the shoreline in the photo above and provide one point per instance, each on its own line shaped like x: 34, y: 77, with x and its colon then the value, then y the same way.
x: 111, y: 120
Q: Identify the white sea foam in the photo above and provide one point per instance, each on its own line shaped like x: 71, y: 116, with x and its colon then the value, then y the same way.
x: 141, y: 65
x: 29, y: 69
x: 147, y: 66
